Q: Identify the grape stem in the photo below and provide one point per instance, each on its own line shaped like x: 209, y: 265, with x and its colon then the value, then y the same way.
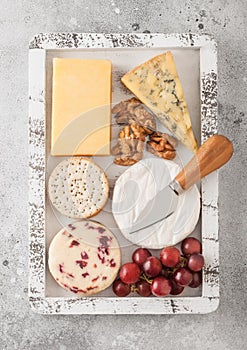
x: 133, y: 288
x: 144, y: 277
x: 183, y: 261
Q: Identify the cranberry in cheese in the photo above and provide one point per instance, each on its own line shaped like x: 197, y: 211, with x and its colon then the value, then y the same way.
x: 84, y: 257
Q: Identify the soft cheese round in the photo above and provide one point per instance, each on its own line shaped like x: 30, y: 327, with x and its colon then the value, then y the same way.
x: 78, y: 188
x: 84, y: 257
x: 136, y: 187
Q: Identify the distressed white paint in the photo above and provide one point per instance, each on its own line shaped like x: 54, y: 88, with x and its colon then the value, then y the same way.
x: 111, y: 305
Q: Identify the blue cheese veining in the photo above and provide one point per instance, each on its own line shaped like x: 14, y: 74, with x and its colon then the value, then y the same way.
x: 157, y: 85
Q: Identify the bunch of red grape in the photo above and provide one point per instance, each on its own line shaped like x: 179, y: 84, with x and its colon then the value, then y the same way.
x: 169, y: 274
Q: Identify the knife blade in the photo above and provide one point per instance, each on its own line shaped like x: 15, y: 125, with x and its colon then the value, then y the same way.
x: 158, y: 208
x: 212, y: 155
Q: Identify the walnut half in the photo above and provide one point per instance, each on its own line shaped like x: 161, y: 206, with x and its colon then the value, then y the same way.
x: 130, y: 146
x: 162, y: 145
x: 132, y: 111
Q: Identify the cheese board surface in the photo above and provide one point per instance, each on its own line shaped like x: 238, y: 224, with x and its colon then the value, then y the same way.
x: 195, y: 58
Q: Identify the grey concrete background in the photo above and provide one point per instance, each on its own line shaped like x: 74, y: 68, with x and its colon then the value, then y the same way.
x: 20, y: 328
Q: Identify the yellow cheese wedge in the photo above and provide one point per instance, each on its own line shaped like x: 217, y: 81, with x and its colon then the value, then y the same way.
x: 81, y: 107
x: 157, y: 85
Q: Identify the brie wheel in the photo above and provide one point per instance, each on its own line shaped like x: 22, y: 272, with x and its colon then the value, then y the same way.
x: 136, y: 187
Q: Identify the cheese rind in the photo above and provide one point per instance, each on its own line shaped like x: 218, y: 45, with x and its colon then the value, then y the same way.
x: 136, y: 187
x: 84, y: 258
x: 81, y: 107
x: 157, y: 85
x: 78, y: 188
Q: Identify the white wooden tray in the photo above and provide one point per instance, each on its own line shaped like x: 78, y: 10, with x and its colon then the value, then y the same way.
x: 195, y: 58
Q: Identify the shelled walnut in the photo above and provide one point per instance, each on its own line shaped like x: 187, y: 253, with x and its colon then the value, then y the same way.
x: 130, y: 146
x: 139, y: 124
x: 162, y: 145
x: 132, y: 111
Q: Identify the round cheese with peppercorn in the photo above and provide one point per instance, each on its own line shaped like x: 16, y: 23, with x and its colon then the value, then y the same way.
x: 78, y: 188
x: 140, y: 184
x: 84, y: 257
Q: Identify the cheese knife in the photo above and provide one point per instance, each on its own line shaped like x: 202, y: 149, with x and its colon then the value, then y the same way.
x: 212, y: 155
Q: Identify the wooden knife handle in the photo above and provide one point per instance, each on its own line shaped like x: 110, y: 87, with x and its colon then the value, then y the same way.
x: 214, y: 153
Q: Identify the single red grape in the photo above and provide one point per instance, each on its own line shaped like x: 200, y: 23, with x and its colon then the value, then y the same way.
x: 140, y: 255
x: 170, y: 256
x: 143, y: 288
x: 176, y: 289
x: 161, y: 286
x: 121, y: 289
x: 152, y: 266
x: 195, y: 262
x: 197, y: 279
x: 130, y: 273
x: 182, y: 276
x: 191, y: 245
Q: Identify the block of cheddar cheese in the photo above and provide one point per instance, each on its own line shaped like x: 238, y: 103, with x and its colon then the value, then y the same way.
x: 81, y: 107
